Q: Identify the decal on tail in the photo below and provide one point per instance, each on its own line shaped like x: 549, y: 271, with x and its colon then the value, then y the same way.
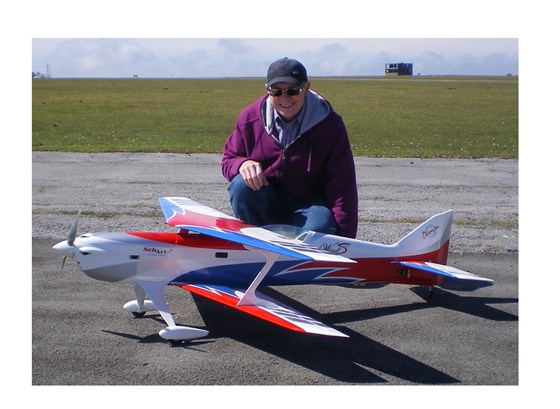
x: 432, y: 235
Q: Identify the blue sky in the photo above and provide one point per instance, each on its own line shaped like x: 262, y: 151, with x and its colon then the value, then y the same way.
x: 250, y: 57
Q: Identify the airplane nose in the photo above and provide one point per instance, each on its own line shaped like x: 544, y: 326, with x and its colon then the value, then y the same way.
x: 64, y: 249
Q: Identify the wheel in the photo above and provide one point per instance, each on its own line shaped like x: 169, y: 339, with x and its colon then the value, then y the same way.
x: 176, y: 342
x: 139, y: 314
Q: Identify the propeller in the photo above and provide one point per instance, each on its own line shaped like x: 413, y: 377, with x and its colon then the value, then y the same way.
x: 67, y: 248
x: 73, y: 230
x: 63, y: 262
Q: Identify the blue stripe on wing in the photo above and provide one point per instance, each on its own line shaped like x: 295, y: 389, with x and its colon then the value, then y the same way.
x: 169, y: 208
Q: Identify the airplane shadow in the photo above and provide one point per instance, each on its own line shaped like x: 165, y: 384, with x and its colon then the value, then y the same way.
x: 477, y: 306
x: 357, y: 359
x: 467, y: 304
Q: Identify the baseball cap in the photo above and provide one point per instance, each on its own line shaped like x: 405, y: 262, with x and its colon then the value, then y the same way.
x: 286, y: 70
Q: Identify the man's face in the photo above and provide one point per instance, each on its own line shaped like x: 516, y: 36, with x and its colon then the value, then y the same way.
x: 288, y: 106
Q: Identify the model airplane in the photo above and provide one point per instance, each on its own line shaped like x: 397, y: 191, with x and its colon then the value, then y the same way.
x: 225, y: 260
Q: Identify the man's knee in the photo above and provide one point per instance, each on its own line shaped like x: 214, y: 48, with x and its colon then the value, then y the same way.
x: 317, y: 218
x: 238, y: 189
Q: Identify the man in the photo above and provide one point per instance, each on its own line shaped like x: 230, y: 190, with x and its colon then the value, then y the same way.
x: 289, y: 160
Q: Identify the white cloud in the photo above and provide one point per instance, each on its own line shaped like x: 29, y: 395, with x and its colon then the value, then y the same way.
x: 232, y: 57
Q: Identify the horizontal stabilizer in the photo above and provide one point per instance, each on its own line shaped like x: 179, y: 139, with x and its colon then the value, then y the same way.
x: 455, y: 279
x: 265, y: 308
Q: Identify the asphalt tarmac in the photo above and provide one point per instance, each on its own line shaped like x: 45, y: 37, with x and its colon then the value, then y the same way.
x: 82, y: 336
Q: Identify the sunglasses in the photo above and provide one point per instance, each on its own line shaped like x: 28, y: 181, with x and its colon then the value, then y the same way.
x: 275, y: 92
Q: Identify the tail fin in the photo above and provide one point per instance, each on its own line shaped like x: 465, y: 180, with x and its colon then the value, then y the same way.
x: 432, y: 236
x: 430, y: 241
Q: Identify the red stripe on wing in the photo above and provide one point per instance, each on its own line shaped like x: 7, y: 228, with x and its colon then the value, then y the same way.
x: 231, y: 300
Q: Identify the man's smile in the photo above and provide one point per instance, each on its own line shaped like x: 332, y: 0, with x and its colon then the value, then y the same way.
x: 286, y: 105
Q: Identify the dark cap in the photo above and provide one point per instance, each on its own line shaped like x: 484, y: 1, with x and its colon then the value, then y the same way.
x: 286, y: 70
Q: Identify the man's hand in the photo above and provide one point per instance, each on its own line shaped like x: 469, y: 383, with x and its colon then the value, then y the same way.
x: 252, y: 174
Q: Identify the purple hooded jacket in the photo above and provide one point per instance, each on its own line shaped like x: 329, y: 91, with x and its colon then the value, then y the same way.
x: 318, y: 164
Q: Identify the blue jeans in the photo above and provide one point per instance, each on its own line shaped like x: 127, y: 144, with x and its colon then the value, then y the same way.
x: 265, y: 206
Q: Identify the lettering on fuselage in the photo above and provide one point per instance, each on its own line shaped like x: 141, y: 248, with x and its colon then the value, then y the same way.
x: 154, y: 251
x: 430, y: 231
x: 335, y: 248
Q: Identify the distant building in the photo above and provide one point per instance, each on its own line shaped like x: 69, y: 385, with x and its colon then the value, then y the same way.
x: 396, y: 69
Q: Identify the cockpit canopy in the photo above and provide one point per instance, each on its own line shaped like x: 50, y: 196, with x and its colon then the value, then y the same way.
x: 293, y: 232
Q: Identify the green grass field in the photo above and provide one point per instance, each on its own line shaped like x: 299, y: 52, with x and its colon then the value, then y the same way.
x: 460, y: 117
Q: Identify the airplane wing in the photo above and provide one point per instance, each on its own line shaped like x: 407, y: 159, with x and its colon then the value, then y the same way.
x: 190, y: 215
x: 454, y: 279
x: 265, y: 308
